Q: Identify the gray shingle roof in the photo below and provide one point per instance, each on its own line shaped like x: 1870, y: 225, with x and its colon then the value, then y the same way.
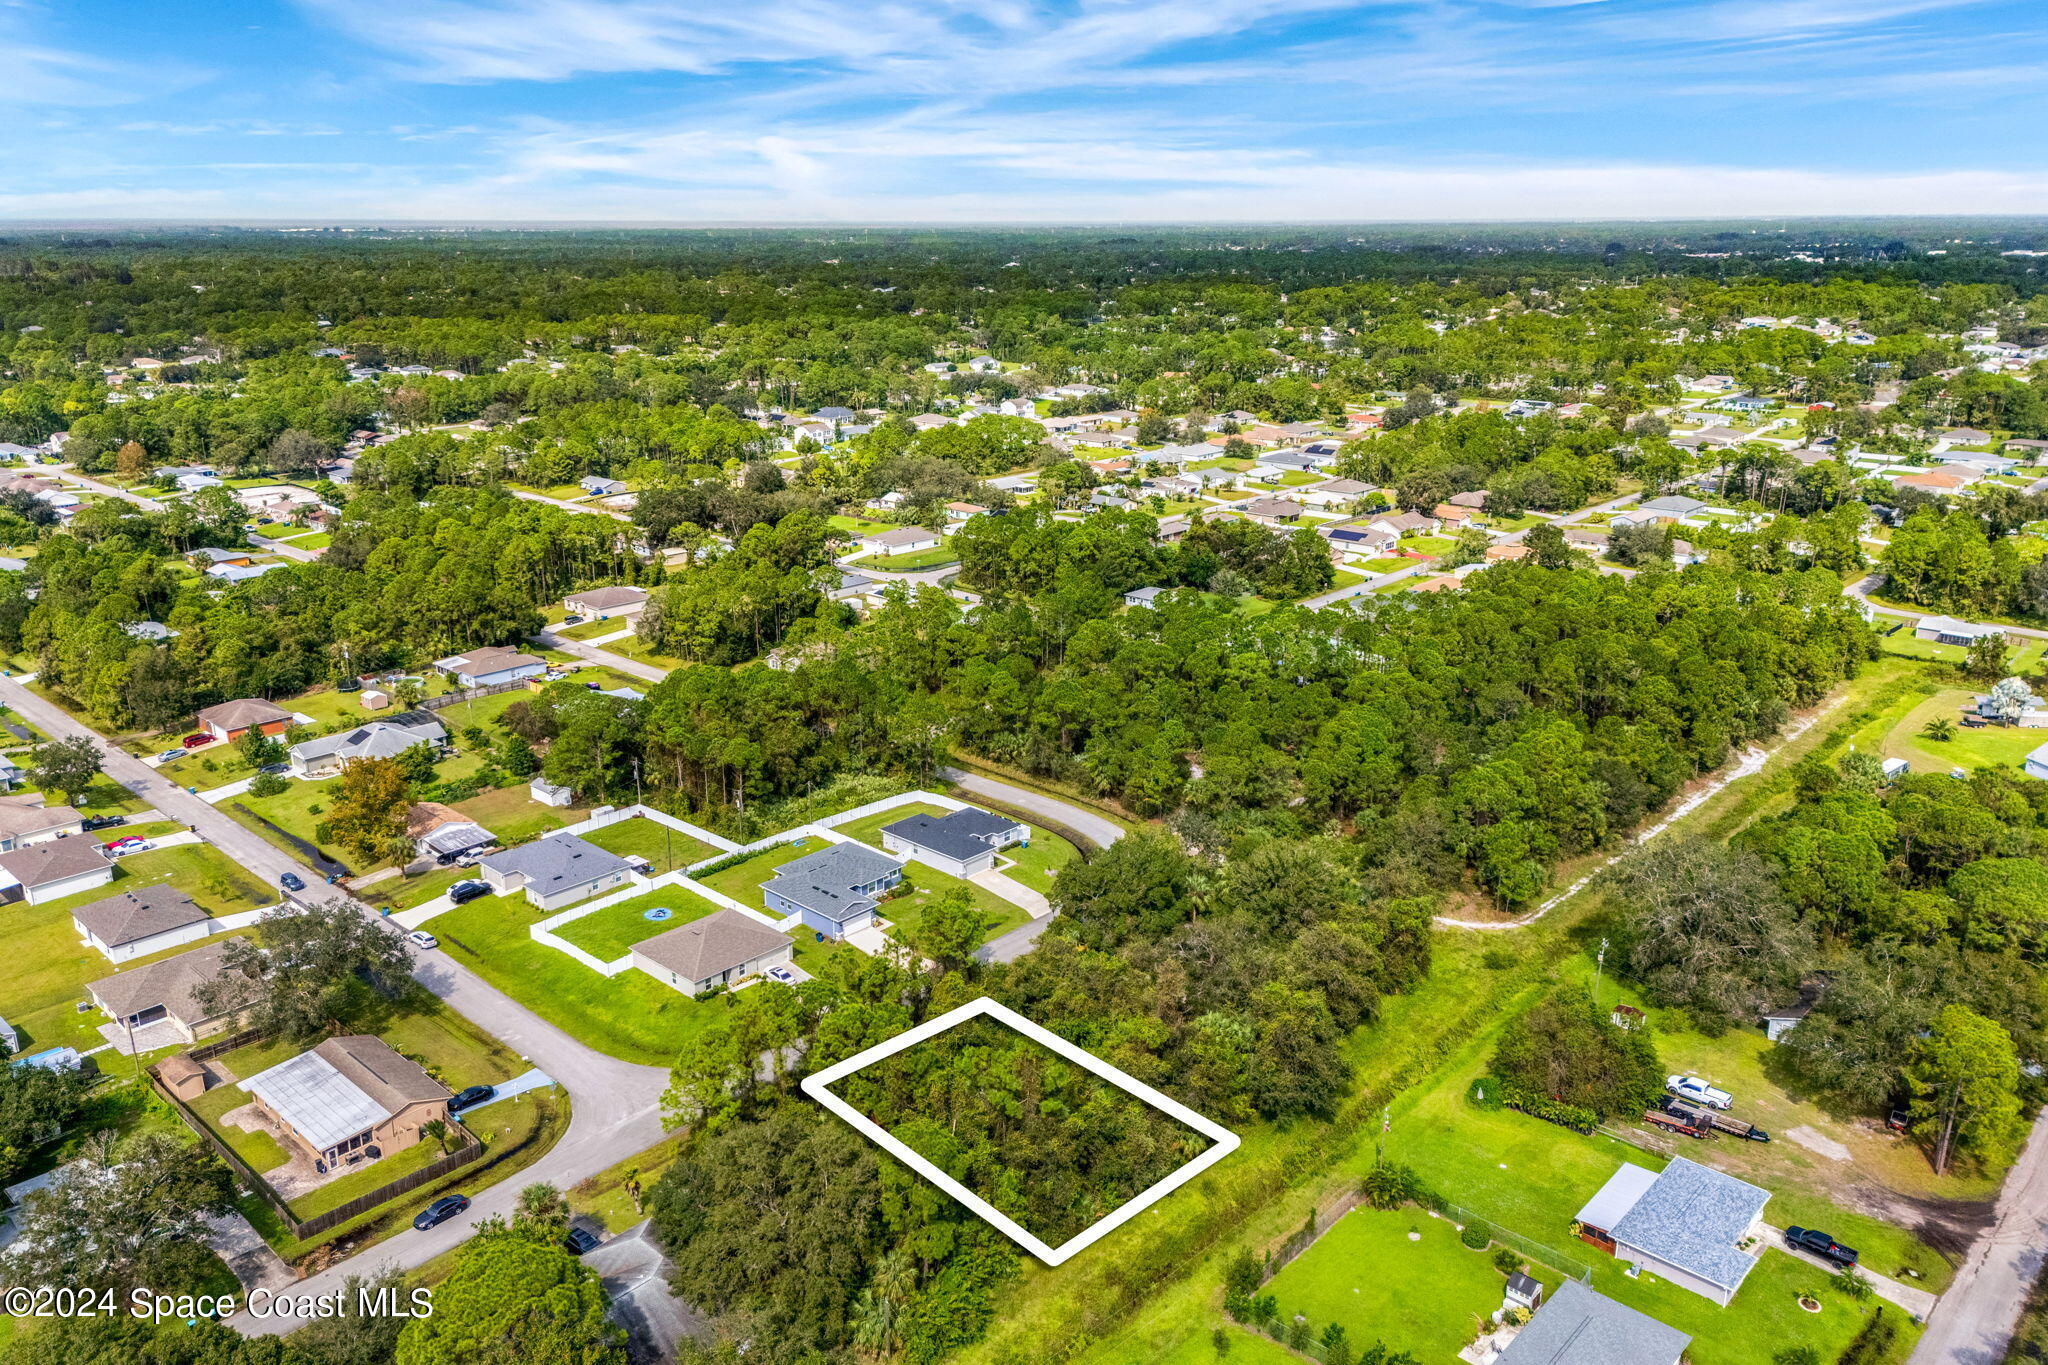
x: 1580, y: 1327
x: 960, y: 834
x: 1692, y: 1217
x: 169, y: 983
x: 556, y: 863
x: 135, y: 915
x: 378, y: 739
x: 716, y: 943
x: 52, y: 861
x: 824, y: 881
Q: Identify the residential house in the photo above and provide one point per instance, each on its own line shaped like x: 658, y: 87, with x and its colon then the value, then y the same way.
x: 1355, y: 539
x: 900, y: 540
x: 1141, y: 597
x: 329, y: 754
x: 2036, y: 763
x: 1171, y: 529
x: 1443, y: 582
x: 1671, y: 507
x: 1581, y: 1326
x: 1272, y: 511
x: 601, y: 488
x: 717, y: 950
x: 1966, y: 436
x: 1943, y: 482
x: 1586, y: 541
x: 834, y: 414
x: 835, y: 890
x: 491, y: 666
x: 1176, y: 455
x: 1451, y: 516
x: 53, y: 870
x: 216, y: 557
x: 1528, y: 407
x: 165, y: 992
x: 132, y: 924
x: 960, y: 513
x: 1782, y: 1019
x: 443, y: 833
x: 241, y: 573
x: 959, y: 843
x: 1404, y: 523
x: 24, y: 820
x: 1685, y: 1224
x: 1475, y: 499
x: 617, y: 600
x: 350, y: 1099
x: 1742, y: 402
x: 230, y: 720
x: 1947, y: 630
x: 154, y: 632
x: 556, y: 871
x: 928, y: 421
x: 1501, y: 554
x: 1275, y: 464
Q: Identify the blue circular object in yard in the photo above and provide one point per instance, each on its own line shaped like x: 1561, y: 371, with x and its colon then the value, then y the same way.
x: 658, y: 912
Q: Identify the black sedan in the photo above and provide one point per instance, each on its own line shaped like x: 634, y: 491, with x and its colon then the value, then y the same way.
x: 440, y: 1211
x: 471, y: 1098
x: 1820, y: 1244
x: 291, y: 881
x: 463, y: 892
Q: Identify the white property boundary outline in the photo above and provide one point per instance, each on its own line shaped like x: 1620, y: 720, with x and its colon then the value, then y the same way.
x: 1222, y: 1141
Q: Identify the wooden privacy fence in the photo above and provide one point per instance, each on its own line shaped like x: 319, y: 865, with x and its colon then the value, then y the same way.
x: 319, y: 1222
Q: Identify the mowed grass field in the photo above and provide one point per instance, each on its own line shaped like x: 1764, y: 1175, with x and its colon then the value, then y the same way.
x: 608, y: 933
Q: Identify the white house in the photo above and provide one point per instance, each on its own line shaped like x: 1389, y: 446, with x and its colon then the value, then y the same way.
x: 53, y: 870
x: 960, y: 843
x: 900, y: 540
x: 717, y: 950
x: 2036, y: 764
x: 488, y: 667
x: 1948, y: 630
x: 556, y: 871
x: 138, y: 923
x: 329, y: 754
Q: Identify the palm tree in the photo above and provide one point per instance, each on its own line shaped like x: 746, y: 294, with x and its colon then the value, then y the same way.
x: 1941, y: 729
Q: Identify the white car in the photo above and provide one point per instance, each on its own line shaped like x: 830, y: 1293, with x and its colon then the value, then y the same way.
x: 1698, y: 1091
x: 420, y: 938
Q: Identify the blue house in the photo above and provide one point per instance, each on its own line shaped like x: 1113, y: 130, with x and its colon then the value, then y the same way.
x: 834, y: 890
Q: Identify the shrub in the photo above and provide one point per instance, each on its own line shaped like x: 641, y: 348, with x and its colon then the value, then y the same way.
x: 1796, y: 1355
x: 269, y: 784
x: 1389, y: 1185
x: 1498, y: 959
x: 1474, y: 1236
x: 1506, y: 1261
x: 1848, y: 1282
x: 1873, y: 1343
x: 1572, y: 1116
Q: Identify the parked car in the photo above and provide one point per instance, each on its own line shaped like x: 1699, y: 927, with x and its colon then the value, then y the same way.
x: 580, y: 1240
x: 1698, y: 1091
x: 1820, y: 1244
x: 440, y: 1211
x: 130, y: 843
x: 273, y: 769
x: 781, y: 974
x: 420, y: 938
x: 472, y: 1097
x: 463, y: 892
x: 94, y: 822
x: 291, y: 881
x: 169, y: 754
x: 194, y: 741
x: 572, y: 620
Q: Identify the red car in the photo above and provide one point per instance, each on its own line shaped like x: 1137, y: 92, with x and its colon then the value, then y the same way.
x: 194, y: 741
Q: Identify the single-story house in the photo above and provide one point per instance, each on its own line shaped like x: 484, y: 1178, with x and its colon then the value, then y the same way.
x: 959, y: 843
x: 1171, y: 529
x: 959, y: 513
x: 1141, y: 597
x: 1443, y: 582
x: 1403, y: 523
x: 490, y: 666
x: 1355, y: 539
x: 235, y: 573
x: 1938, y: 481
x: 329, y: 754
x: 230, y: 720
x: 1591, y: 542
x: 600, y: 488
x: 2036, y: 763
x: 1451, y: 515
x: 1784, y: 1018
x: 854, y: 587
x: 716, y: 950
x: 1272, y: 511
x: 834, y: 890
x: 156, y: 632
x: 1476, y: 499
x: 1499, y: 554
x: 1333, y: 492
x: 901, y: 540
x: 617, y: 600
x: 549, y: 794
x: 1671, y: 507
x: 215, y: 556
x: 52, y: 870
x: 1581, y: 1326
x: 24, y: 820
x: 132, y: 924
x: 162, y: 991
x: 1948, y: 630
x: 556, y: 871
x: 1967, y: 436
x: 349, y: 1099
x: 443, y: 833
x: 1684, y: 1223
x: 1275, y: 463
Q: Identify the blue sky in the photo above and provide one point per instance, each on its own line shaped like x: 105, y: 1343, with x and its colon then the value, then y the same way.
x: 1014, y: 110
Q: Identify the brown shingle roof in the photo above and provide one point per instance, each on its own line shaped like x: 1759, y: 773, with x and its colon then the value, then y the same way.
x: 703, y: 948
x: 374, y: 1067
x: 134, y: 915
x: 242, y: 713
x: 19, y: 818
x: 169, y: 983
x: 53, y: 861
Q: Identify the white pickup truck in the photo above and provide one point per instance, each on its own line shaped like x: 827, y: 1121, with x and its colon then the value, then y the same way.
x: 1698, y: 1091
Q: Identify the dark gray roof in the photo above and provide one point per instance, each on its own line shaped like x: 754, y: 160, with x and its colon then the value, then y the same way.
x: 824, y: 881
x: 1692, y: 1217
x: 716, y: 943
x: 135, y: 915
x: 961, y: 834
x: 1674, y: 502
x: 1578, y: 1326
x: 556, y: 863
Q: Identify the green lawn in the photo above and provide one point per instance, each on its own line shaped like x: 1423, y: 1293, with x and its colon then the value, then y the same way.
x: 607, y: 1196
x: 1386, y: 564
x: 1402, y: 1277
x: 311, y: 540
x: 1429, y: 545
x: 664, y: 849
x: 341, y: 1189
x: 1993, y: 746
x: 591, y: 629
x: 259, y: 1150
x: 630, y: 1016
x: 742, y: 881
x: 859, y: 526
x: 514, y: 816
x: 918, y: 559
x: 634, y: 648
x: 606, y: 934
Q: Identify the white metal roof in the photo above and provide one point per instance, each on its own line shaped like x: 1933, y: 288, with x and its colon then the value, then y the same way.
x: 1617, y: 1196
x: 315, y: 1098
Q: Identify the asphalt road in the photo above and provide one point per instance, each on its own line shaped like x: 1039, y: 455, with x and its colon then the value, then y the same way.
x: 1973, y: 1323
x: 592, y: 654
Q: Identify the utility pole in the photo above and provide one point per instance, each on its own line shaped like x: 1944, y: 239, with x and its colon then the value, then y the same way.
x: 1599, y: 969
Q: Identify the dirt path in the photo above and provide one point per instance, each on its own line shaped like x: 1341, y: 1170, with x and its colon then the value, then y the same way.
x: 1751, y: 761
